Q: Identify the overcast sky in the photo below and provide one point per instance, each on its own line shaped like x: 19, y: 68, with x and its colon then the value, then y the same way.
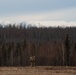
x: 59, y: 11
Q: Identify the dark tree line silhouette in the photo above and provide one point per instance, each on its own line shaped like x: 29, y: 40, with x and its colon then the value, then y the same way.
x: 50, y: 46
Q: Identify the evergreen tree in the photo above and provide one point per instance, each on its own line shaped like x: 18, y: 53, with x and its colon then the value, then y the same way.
x: 67, y: 50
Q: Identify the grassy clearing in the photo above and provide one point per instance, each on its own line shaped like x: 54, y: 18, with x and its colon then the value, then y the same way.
x: 38, y: 70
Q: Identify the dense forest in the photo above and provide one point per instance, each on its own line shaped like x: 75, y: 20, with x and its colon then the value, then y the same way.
x: 51, y: 46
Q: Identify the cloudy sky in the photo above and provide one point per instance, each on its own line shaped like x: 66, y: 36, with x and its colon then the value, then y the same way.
x: 44, y: 12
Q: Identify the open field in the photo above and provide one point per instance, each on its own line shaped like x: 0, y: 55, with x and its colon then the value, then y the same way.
x: 49, y: 70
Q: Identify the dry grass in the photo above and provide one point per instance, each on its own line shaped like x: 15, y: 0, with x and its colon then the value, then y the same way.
x: 38, y: 70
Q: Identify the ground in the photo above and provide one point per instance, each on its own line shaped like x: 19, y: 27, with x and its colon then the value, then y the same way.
x: 38, y: 70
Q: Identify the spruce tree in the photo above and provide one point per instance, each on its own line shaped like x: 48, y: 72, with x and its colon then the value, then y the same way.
x: 67, y: 50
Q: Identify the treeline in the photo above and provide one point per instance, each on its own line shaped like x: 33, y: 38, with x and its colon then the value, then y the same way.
x: 51, y: 46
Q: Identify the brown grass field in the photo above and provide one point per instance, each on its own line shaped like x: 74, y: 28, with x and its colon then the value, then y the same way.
x: 38, y: 70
